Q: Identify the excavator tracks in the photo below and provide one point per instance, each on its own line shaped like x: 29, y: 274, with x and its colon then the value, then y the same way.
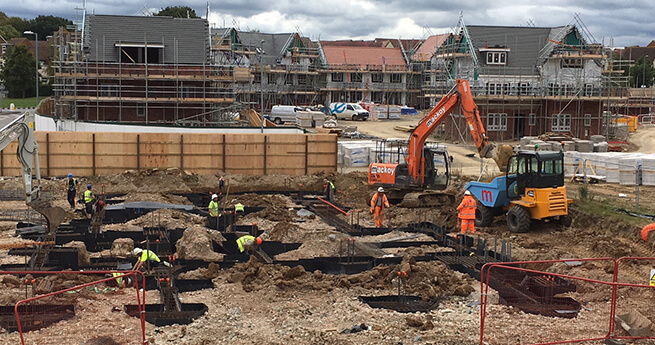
x: 427, y: 199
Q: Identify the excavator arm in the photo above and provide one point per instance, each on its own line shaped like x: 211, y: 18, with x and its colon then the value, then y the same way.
x: 21, y: 128
x: 459, y: 94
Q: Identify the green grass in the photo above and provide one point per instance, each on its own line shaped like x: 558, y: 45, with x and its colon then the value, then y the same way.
x: 604, y: 210
x: 19, y: 102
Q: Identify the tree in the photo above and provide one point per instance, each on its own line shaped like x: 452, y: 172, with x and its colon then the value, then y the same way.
x: 8, y: 32
x: 177, y: 12
x: 18, y: 71
x: 46, y: 25
x: 642, y: 73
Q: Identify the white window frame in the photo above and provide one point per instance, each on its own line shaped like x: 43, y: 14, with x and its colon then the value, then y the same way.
x: 524, y: 89
x: 561, y: 123
x: 497, y: 122
x: 497, y: 58
x: 140, y: 110
x: 587, y: 120
x: 395, y: 78
x: 532, y: 119
x: 377, y: 78
x: 339, y: 77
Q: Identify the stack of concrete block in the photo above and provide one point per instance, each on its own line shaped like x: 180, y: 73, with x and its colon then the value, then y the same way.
x: 601, y: 147
x: 628, y: 169
x: 597, y: 139
x: 583, y: 145
x: 526, y: 140
x: 648, y: 170
x: 355, y: 153
x: 568, y: 146
x: 571, y: 162
x: 304, y: 119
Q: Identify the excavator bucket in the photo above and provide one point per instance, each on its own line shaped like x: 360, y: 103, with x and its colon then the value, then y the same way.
x: 54, y: 215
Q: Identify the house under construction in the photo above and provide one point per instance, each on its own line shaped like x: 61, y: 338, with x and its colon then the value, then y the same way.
x: 525, y: 80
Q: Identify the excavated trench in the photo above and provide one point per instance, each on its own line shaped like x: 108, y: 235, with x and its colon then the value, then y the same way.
x: 467, y: 254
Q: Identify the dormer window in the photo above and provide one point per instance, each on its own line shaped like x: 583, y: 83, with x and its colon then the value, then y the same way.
x: 495, y: 56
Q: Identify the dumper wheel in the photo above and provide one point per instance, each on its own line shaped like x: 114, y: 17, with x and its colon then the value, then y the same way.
x: 484, y: 216
x: 518, y: 219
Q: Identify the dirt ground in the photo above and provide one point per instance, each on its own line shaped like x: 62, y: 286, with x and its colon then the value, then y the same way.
x: 253, y: 303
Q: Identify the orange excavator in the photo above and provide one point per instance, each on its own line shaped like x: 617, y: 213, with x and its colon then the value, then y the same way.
x: 417, y: 183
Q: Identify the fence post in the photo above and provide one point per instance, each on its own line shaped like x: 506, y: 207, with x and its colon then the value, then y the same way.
x: 265, y: 152
x: 93, y: 154
x: 638, y: 182
x: 181, y: 151
x: 47, y: 154
x: 138, y: 153
x: 224, y: 168
x: 306, y: 154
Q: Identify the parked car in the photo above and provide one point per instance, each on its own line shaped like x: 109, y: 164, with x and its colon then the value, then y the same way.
x: 348, y: 111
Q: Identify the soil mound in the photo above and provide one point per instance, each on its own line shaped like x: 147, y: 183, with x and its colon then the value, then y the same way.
x: 197, y: 243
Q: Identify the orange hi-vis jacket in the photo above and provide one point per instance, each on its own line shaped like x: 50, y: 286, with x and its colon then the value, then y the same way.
x: 466, y: 209
x: 376, y: 201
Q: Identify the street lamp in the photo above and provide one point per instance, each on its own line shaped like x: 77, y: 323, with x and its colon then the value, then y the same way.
x: 36, y: 38
x: 261, y: 82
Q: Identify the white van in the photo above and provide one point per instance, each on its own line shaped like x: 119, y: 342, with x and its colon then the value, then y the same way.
x: 284, y: 113
x: 348, y: 111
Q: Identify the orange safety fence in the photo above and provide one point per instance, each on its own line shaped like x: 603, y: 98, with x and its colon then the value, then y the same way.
x: 74, y: 307
x: 563, y: 301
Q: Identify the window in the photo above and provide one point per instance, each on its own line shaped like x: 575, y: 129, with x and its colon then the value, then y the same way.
x: 561, y: 123
x: 258, y: 78
x: 497, y: 89
x: 496, y: 58
x: 137, y: 53
x: 337, y: 77
x: 376, y: 78
x: 355, y: 77
x: 396, y: 78
x: 4, y: 49
x: 288, y: 79
x: 270, y: 78
x: 572, y: 63
x: 497, y: 122
x: 524, y: 89
x: 140, y: 110
x: 302, y: 79
x: 427, y: 77
x: 587, y: 120
x: 532, y: 119
x: 589, y: 89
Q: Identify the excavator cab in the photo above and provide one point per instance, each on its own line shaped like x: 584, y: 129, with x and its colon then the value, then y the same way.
x: 437, y: 168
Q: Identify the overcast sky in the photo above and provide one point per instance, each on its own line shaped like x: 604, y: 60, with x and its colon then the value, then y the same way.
x: 626, y: 22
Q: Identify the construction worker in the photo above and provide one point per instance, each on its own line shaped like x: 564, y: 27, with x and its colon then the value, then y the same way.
x: 221, y: 184
x: 239, y: 208
x: 213, y: 212
x: 122, y: 282
x: 466, y: 212
x: 248, y: 242
x: 72, y: 189
x: 148, y: 256
x: 329, y: 190
x: 378, y: 203
x: 89, y: 200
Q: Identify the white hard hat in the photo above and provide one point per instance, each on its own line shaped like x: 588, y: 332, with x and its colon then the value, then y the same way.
x: 137, y: 251
x: 214, y: 196
x: 467, y: 193
x: 381, y: 190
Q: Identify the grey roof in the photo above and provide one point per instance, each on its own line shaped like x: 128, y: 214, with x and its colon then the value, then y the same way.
x: 524, y: 43
x: 190, y: 37
x: 273, y: 44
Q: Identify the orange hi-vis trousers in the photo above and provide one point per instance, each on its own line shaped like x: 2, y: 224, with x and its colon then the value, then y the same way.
x: 377, y: 216
x: 468, y: 224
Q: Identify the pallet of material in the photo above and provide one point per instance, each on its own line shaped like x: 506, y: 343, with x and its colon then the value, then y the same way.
x: 590, y: 178
x: 404, y: 128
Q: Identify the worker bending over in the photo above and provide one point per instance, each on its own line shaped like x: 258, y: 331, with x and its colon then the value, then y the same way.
x: 466, y: 212
x: 248, y: 242
x: 378, y: 203
x: 148, y: 258
x: 89, y: 200
x: 329, y: 190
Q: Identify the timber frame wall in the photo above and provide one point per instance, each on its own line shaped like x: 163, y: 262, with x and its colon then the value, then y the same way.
x: 90, y: 154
